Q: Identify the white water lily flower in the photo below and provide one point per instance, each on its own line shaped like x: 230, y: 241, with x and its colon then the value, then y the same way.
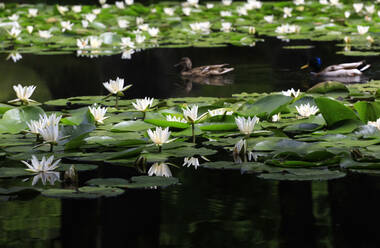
x: 32, y: 12
x: 140, y: 38
x: 96, y: 11
x: 191, y: 114
x: 29, y: 29
x: 255, y: 4
x: 15, y: 32
x: 82, y: 43
x: 13, y: 17
x: 242, y: 11
x: 116, y: 86
x: 126, y: 42
x: 191, y: 162
x: 159, y: 136
x: 305, y: 110
x: 95, y: 42
x: 200, y: 27
x: 291, y: 92
x: 143, y: 27
x: 225, y: 13
x: 375, y: 123
x: 269, y: 19
x: 347, y: 39
x: 220, y: 111
x: 101, y: 2
x: 41, y: 166
x: 160, y: 169
x: 169, y: 11
x: 139, y: 20
x: 362, y: 29
x: 143, y: 104
x: 90, y: 17
x: 246, y: 125
x: 192, y: 2
x: 122, y: 23
x: 347, y: 14
x: 186, y: 11
x: 287, y: 12
x: 175, y: 119
x: 226, y: 27
x: 76, y: 8
x: 251, y: 30
x: 299, y: 2
x: 128, y: 2
x: 358, y: 7
x: 50, y: 134
x: 62, y: 9
x: 35, y: 126
x: 334, y: 2
x: 45, y: 34
x: 14, y: 56
x: 370, y: 39
x: 66, y: 25
x: 23, y: 93
x: 370, y: 9
x: 42, y: 122
x: 153, y: 32
x: 119, y: 4
x: 276, y: 117
x: 227, y: 2
x: 324, y: 2
x: 288, y: 29
x: 98, y: 113
x: 127, y: 54
x: 84, y: 23
x: 209, y: 5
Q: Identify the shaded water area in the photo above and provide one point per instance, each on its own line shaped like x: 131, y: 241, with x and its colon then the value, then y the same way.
x: 210, y: 208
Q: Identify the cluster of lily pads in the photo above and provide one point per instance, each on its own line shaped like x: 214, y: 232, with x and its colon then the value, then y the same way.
x: 126, y: 27
x: 327, y: 132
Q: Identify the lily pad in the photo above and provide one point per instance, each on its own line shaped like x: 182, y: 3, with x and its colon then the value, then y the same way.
x: 83, y: 192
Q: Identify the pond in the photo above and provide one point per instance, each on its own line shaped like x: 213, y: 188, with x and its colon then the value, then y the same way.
x: 298, y: 181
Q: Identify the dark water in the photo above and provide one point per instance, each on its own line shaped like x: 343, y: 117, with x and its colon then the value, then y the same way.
x: 266, y: 67
x: 210, y: 208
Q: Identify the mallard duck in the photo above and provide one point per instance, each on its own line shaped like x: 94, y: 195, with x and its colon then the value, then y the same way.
x: 202, y: 71
x: 341, y: 70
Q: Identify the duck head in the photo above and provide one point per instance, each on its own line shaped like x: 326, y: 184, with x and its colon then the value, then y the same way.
x: 185, y: 64
x: 315, y: 64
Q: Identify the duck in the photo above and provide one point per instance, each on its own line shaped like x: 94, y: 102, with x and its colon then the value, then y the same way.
x: 346, y: 70
x: 202, y: 71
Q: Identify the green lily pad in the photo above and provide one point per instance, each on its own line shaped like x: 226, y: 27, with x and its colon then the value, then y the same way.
x: 303, y: 175
x: 138, y: 182
x: 83, y: 192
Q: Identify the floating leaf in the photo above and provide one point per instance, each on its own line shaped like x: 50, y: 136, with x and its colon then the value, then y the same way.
x: 83, y: 193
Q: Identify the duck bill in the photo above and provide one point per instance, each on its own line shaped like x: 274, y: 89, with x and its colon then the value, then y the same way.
x: 304, y: 66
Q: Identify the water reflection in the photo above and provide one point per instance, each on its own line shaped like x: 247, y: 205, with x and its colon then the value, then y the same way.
x: 49, y: 176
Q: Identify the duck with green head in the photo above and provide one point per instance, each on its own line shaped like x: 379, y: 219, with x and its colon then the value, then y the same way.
x: 341, y: 70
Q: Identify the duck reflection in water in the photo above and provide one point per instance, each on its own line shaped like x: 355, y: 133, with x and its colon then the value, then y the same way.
x: 214, y: 75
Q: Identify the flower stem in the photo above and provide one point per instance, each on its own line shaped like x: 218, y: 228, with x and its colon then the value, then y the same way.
x: 51, y: 147
x: 117, y: 102
x: 193, y: 131
x: 37, y: 137
x: 144, y: 114
x: 159, y: 148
